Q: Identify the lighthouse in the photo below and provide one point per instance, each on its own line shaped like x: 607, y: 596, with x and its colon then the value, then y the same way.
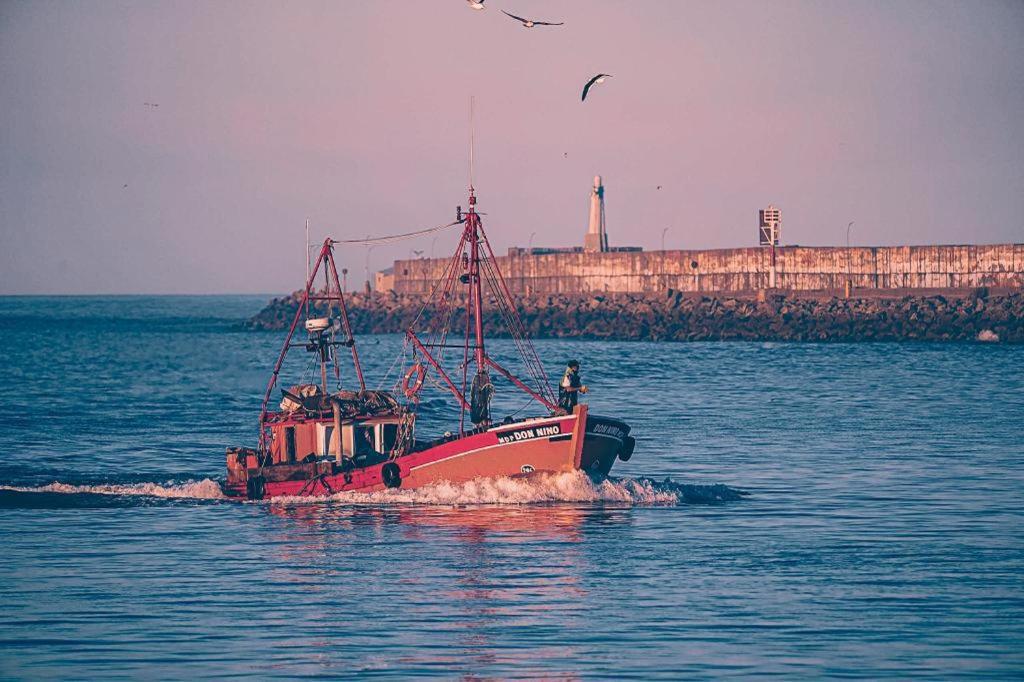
x: 596, y: 239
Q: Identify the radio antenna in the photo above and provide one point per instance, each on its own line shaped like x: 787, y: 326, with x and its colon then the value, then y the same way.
x: 307, y: 263
x: 471, y: 140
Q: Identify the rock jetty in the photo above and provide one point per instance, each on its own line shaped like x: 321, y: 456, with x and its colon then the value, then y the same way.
x: 953, y: 315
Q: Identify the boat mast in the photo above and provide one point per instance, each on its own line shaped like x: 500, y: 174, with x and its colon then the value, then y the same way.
x: 325, y: 351
x: 475, y: 288
x: 475, y: 259
x: 325, y: 260
x: 473, y: 235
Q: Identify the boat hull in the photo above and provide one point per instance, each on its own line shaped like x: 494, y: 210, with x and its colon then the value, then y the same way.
x: 606, y: 440
x: 548, y: 444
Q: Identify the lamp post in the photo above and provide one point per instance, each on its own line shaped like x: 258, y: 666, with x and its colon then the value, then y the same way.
x: 423, y: 264
x: 418, y: 255
x: 529, y: 246
x: 663, y: 238
x: 344, y: 280
x: 849, y: 284
x: 366, y: 267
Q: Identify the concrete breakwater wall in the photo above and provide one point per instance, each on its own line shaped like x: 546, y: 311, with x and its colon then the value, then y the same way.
x: 797, y: 268
x: 676, y: 316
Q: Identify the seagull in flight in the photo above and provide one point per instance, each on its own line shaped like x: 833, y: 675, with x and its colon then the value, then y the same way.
x: 530, y: 23
x: 599, y: 78
x: 476, y: 4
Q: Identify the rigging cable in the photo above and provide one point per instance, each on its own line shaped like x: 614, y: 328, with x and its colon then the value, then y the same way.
x: 389, y: 239
x: 398, y: 358
x: 517, y: 331
x: 528, y: 352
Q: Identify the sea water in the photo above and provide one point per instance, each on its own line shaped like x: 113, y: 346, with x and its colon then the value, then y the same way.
x: 798, y: 510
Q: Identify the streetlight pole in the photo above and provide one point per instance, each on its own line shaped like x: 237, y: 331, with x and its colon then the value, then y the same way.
x: 529, y: 246
x: 849, y: 284
x: 366, y: 266
x: 344, y: 280
x: 663, y: 238
x: 418, y: 255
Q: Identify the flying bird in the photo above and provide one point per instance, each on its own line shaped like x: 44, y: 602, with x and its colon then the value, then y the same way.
x: 599, y: 78
x: 530, y: 23
x: 475, y: 4
x: 149, y: 104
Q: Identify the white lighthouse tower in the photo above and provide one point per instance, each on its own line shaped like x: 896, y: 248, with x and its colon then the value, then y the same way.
x: 596, y: 239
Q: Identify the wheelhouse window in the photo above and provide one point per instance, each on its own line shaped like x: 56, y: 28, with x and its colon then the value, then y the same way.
x: 366, y: 441
x: 390, y: 432
x: 289, y: 444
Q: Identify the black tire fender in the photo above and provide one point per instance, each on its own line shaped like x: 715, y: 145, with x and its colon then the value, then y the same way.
x: 255, y: 488
x: 626, y: 451
x: 391, y: 475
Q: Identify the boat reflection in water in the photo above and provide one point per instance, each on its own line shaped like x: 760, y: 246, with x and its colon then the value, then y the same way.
x: 508, y: 569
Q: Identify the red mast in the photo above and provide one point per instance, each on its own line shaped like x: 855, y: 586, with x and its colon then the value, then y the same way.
x: 477, y: 264
x: 475, y: 292
x: 325, y: 260
x: 475, y: 258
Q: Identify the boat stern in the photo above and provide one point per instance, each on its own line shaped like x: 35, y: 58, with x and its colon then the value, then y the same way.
x: 240, y: 461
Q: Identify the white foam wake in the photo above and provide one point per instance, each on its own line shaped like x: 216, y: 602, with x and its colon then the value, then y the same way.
x: 574, y: 486
x: 570, y: 487
x: 206, y: 489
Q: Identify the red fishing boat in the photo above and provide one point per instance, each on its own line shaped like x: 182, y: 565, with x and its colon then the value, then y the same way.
x: 321, y: 442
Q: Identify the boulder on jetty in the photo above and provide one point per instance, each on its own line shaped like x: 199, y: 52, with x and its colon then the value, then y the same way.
x: 952, y: 315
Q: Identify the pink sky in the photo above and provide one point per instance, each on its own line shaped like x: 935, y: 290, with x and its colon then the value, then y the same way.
x: 905, y: 117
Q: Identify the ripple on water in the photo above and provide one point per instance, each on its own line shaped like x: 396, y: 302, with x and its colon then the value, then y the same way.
x: 883, y: 536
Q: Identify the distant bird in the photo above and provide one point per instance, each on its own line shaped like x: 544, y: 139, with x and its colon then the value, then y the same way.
x: 149, y: 104
x: 659, y: 186
x: 530, y: 23
x: 565, y: 155
x: 475, y: 4
x: 125, y: 186
x: 599, y: 78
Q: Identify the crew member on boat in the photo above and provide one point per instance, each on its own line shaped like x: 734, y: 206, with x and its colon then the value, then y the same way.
x: 480, y: 399
x: 570, y: 387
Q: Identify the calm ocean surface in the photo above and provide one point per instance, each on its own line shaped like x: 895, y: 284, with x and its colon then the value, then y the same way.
x: 882, y: 537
